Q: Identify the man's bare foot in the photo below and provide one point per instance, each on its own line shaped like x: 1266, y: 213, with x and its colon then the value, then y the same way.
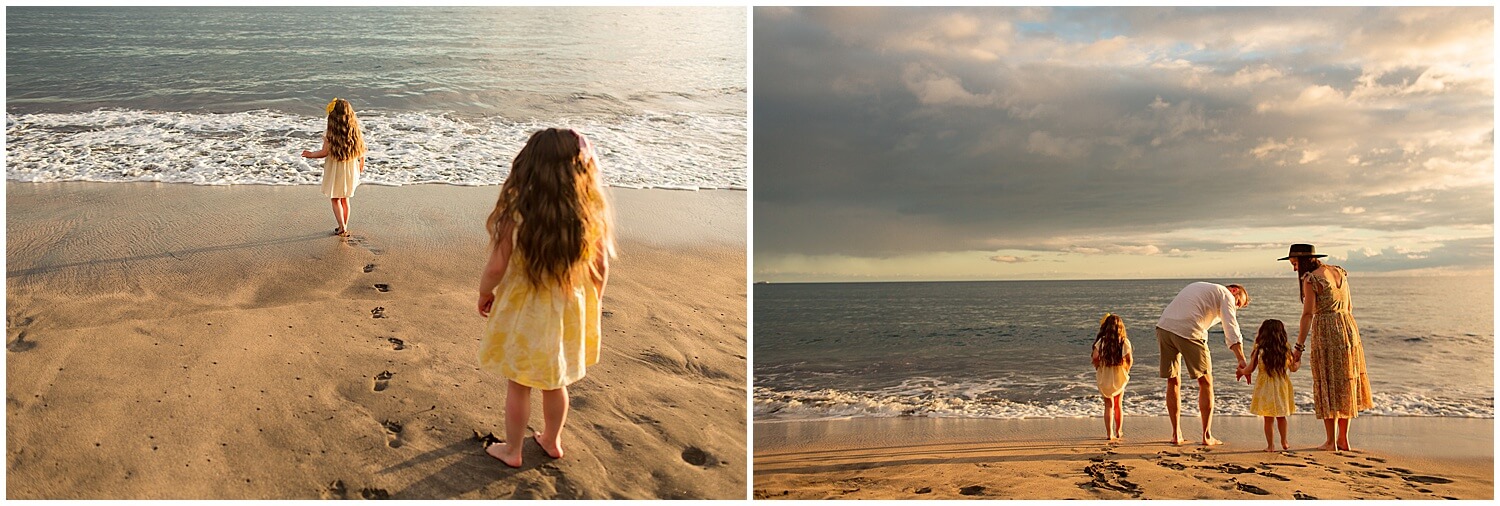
x: 1269, y: 449
x: 1177, y: 440
x: 505, y: 454
x: 1345, y: 447
x: 1328, y: 447
x: 552, y: 449
x: 1211, y: 441
x: 1285, y: 446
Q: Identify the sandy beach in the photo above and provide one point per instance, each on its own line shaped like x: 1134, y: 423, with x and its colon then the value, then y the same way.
x: 170, y: 341
x: 936, y: 458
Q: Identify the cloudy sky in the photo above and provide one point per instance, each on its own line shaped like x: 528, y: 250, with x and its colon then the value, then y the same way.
x: 1084, y: 143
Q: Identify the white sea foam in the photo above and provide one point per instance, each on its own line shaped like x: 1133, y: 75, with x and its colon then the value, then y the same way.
x: 653, y: 150
x: 829, y: 403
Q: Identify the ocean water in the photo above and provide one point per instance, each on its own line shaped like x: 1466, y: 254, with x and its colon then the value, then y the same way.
x: 1020, y: 349
x: 232, y: 95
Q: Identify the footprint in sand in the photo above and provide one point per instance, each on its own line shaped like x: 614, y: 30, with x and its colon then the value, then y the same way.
x: 382, y: 287
x: 1375, y: 459
x: 392, y: 433
x: 383, y: 380
x: 335, y: 490
x: 1426, y: 479
x: 369, y: 267
x: 1274, y: 476
x: 378, y: 312
x: 1233, y: 469
x: 1110, y: 476
x: 20, y: 344
x: 1246, y: 487
x: 374, y: 494
x: 1361, y: 465
x: 971, y: 490
x: 486, y: 439
x: 924, y: 490
x: 397, y: 344
x: 1303, y: 497
x: 696, y: 456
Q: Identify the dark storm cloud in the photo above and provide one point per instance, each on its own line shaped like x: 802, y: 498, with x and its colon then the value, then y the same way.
x: 893, y: 131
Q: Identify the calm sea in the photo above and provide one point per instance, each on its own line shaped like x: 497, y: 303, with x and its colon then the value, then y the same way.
x: 221, y: 95
x: 1016, y: 349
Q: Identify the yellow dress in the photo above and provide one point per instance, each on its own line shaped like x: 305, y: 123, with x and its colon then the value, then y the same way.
x: 541, y: 337
x: 1272, y: 395
x: 1112, y: 378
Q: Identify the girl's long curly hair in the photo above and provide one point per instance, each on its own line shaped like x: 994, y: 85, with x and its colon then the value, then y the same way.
x: 1270, y: 344
x: 345, y: 142
x: 1112, y: 334
x: 554, y: 202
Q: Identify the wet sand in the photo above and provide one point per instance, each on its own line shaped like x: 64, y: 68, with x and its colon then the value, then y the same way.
x: 169, y: 341
x: 933, y: 458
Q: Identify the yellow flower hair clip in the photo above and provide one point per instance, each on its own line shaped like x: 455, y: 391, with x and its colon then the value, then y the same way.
x: 331, y: 103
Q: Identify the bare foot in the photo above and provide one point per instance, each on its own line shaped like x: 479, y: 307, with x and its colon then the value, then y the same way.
x: 1328, y: 447
x: 1269, y: 449
x: 1119, y: 435
x: 553, y: 449
x: 1345, y: 448
x: 1285, y: 446
x: 1211, y: 441
x: 504, y: 453
x: 1177, y: 439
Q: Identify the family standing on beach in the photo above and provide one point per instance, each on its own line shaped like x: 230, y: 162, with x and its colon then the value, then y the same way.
x: 1341, y: 386
x: 540, y: 291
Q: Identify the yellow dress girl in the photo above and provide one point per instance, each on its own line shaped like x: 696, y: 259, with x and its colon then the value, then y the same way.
x: 540, y: 291
x: 343, y: 154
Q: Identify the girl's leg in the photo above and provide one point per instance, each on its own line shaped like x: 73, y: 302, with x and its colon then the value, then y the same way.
x: 517, y: 413
x: 1281, y: 425
x: 1344, y: 435
x: 344, y: 203
x: 1109, y: 419
x: 1270, y: 421
x: 1120, y: 416
x: 337, y: 213
x: 554, y: 413
x: 1328, y: 427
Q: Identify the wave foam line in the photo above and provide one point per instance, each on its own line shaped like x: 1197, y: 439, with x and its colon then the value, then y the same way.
x: 653, y: 150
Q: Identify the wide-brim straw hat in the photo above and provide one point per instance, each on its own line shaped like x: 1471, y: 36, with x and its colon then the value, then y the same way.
x: 1302, y: 251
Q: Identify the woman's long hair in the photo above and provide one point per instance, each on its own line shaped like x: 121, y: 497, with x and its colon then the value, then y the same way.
x: 1304, y: 266
x: 555, y: 196
x: 1112, y: 334
x: 345, y: 142
x: 1270, y: 344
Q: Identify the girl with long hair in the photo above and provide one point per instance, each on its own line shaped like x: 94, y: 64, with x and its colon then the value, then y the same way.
x: 343, y: 152
x: 1112, y: 359
x: 1272, y: 397
x: 549, y: 250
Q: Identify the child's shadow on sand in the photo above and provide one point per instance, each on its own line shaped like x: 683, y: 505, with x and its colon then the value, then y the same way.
x: 474, y: 470
x: 177, y: 254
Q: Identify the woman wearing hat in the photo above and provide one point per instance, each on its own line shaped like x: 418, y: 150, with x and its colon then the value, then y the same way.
x: 1341, y: 387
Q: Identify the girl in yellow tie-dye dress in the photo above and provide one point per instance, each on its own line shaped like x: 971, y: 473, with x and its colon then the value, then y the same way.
x: 550, y: 245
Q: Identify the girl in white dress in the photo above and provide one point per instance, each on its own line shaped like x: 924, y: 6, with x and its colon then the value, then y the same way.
x: 343, y: 152
x: 1112, y: 359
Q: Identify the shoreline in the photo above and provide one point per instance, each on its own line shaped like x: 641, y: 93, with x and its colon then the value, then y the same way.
x: 176, y: 341
x: 1068, y: 458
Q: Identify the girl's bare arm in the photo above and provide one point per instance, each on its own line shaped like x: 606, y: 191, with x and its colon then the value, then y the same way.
x: 320, y: 153
x: 494, y: 271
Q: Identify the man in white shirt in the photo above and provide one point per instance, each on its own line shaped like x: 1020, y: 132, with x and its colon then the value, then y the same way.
x: 1183, y: 331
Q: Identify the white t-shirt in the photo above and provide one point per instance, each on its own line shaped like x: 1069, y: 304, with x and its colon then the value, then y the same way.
x: 1197, y: 308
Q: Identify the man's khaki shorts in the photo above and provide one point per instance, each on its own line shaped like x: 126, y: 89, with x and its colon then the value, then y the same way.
x: 1194, y: 353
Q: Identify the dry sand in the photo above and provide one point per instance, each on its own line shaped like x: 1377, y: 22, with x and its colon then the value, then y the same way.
x: 926, y: 458
x: 173, y: 341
